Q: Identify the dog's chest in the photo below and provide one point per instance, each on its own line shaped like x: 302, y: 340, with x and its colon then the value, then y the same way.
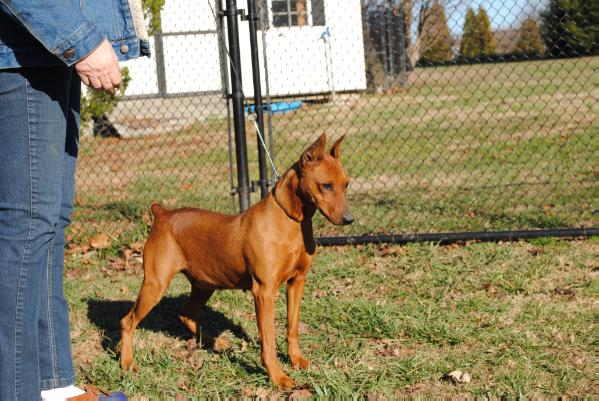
x: 300, y: 265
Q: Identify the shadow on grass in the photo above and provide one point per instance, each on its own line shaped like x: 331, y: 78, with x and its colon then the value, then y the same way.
x: 106, y: 315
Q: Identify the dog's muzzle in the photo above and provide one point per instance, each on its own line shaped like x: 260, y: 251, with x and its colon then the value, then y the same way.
x: 347, y: 218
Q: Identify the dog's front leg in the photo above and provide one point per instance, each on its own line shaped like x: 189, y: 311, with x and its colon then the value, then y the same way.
x: 264, y: 298
x: 295, y: 292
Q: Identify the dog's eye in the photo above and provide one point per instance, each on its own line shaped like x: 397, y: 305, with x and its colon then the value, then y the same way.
x: 328, y: 187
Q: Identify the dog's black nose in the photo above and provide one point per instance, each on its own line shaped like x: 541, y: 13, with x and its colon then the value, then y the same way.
x: 347, y: 217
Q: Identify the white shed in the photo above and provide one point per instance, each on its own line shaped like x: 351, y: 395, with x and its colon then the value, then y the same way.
x: 312, y: 47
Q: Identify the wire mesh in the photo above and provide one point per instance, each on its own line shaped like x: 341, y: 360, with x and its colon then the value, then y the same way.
x: 458, y: 115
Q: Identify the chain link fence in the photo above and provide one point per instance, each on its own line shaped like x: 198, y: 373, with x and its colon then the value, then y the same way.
x: 458, y: 115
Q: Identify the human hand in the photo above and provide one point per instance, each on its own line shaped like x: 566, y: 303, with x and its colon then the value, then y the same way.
x: 100, y: 69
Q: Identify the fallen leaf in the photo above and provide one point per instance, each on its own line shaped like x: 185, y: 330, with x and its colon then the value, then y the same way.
x: 470, y: 213
x: 536, y: 250
x: 394, y: 349
x: 221, y: 343
x: 244, y: 346
x: 392, y: 251
x: 457, y: 376
x: 452, y: 246
x: 180, y: 354
x: 100, y: 241
x: 196, y: 360
x: 191, y: 344
x: 490, y: 288
x: 299, y: 394
x: 261, y: 393
x: 567, y: 292
x: 78, y: 248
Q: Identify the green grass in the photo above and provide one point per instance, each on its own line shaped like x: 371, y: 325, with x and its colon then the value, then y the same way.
x: 375, y: 320
x: 482, y: 147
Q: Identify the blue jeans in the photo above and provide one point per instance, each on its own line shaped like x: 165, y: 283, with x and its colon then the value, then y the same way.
x: 39, y: 134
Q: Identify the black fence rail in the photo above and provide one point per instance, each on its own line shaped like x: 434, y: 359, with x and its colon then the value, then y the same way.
x: 460, y: 117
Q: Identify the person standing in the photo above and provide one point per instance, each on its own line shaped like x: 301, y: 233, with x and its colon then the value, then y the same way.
x: 47, y: 49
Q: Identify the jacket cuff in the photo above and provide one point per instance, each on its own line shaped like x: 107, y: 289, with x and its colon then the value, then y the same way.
x: 85, y: 40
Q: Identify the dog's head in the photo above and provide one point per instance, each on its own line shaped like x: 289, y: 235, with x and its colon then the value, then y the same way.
x: 318, y: 178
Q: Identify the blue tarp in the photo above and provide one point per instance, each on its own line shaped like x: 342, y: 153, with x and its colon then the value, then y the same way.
x: 279, y: 107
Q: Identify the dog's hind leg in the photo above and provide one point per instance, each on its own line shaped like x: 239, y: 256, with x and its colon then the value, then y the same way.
x: 158, y: 272
x: 191, y: 311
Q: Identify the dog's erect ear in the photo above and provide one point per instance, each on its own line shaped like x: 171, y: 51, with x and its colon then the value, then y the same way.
x: 315, y: 151
x: 286, y: 195
x: 335, y: 147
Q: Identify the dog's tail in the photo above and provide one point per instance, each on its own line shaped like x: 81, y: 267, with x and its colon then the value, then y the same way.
x: 157, y: 210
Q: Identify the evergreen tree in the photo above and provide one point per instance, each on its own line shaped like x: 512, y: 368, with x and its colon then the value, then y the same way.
x: 529, y: 38
x: 486, y: 37
x: 470, y: 46
x: 436, y: 37
x: 571, y: 27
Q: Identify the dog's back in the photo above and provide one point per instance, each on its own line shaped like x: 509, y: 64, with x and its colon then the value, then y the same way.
x: 208, y: 245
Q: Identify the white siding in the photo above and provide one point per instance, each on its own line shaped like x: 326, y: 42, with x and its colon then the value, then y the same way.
x: 297, y: 56
x: 192, y: 63
x: 144, y: 80
x: 187, y: 15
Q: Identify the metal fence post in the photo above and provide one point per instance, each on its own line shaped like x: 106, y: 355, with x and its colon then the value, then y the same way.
x: 160, y: 67
x: 243, y: 180
x: 253, y: 18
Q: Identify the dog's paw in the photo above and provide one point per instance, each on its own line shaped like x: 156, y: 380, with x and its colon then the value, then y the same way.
x: 128, y: 365
x: 300, y: 363
x: 285, y: 382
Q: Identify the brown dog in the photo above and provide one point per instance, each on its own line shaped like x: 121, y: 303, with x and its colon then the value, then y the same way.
x: 270, y: 244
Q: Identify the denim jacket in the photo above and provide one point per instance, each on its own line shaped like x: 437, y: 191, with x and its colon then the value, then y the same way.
x: 51, y: 32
